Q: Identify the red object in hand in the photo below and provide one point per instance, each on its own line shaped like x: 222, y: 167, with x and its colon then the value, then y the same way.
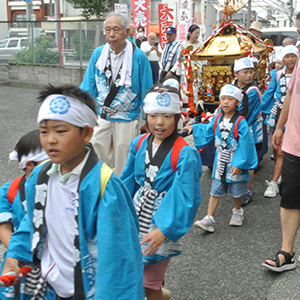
x: 9, y: 277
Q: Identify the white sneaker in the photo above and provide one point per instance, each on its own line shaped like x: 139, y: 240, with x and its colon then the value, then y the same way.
x: 279, y: 180
x: 271, y: 190
x: 207, y: 224
x: 237, y: 217
x: 166, y: 293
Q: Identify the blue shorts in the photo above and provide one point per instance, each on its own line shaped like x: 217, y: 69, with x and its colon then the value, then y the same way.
x: 236, y: 189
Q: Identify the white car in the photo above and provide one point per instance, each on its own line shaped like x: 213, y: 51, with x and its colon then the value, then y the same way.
x: 11, y: 46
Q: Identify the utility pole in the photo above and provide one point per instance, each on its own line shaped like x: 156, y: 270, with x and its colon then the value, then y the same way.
x: 211, y: 17
x: 248, y: 15
x: 291, y: 13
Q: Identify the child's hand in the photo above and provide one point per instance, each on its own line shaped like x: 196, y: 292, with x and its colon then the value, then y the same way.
x: 155, y: 239
x: 12, y: 265
x: 235, y: 170
x: 189, y: 128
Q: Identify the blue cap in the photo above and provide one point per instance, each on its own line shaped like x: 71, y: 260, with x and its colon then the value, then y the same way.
x: 171, y: 30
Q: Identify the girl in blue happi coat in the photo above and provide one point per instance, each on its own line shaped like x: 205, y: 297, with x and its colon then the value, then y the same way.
x: 29, y: 153
x: 244, y: 72
x: 162, y: 174
x: 235, y: 155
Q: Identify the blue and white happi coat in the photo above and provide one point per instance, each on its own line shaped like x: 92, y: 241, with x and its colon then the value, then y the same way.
x: 108, y: 253
x: 128, y: 100
x: 242, y: 152
x: 175, y: 196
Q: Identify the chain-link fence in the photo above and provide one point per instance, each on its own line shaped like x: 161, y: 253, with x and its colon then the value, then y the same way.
x: 51, y: 43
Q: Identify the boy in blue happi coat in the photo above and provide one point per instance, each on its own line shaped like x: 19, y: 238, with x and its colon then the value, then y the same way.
x: 235, y: 155
x: 80, y: 227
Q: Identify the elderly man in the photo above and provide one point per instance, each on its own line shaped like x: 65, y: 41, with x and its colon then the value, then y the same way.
x: 131, y: 34
x: 118, y: 76
x: 151, y: 50
x: 169, y: 55
x: 287, y: 41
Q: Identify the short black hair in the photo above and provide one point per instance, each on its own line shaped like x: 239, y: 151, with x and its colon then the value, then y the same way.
x: 28, y: 143
x: 298, y: 16
x: 141, y: 27
x: 70, y: 91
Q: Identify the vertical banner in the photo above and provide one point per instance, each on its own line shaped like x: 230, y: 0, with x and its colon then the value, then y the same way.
x: 166, y: 17
x: 184, y: 19
x: 140, y: 14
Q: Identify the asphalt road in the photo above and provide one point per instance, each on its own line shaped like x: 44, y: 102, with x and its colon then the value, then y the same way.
x: 223, y: 265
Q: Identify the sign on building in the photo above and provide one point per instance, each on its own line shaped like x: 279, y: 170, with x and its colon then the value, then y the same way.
x: 140, y: 14
x: 121, y: 9
x: 184, y: 19
x: 166, y: 19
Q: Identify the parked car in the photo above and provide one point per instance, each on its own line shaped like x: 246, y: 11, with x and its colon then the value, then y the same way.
x: 277, y: 35
x: 11, y: 46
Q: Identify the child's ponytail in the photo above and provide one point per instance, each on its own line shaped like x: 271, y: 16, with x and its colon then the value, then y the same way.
x: 244, y: 106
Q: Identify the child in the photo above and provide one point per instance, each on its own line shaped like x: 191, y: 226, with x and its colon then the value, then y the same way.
x: 244, y: 73
x: 235, y: 155
x: 80, y: 227
x: 164, y: 185
x: 289, y: 57
x: 29, y: 153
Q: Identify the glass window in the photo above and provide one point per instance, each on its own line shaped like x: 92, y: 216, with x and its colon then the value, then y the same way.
x: 3, y: 44
x: 24, y: 42
x: 12, y: 44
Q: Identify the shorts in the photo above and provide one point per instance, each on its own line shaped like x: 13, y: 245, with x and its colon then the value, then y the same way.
x: 154, y: 275
x: 290, y: 182
x: 236, y: 189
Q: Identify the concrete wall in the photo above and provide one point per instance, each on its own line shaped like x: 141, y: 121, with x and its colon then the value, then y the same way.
x: 32, y: 76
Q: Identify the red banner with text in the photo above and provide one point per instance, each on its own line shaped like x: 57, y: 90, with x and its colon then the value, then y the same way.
x: 140, y: 14
x: 166, y: 18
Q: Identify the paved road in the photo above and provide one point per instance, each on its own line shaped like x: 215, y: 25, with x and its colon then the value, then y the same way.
x: 223, y: 265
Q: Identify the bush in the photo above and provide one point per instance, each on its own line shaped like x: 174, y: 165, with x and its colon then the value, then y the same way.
x: 86, y: 47
x: 45, y: 52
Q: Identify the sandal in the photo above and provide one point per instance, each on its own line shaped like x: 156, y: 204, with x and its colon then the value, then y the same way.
x: 289, y: 264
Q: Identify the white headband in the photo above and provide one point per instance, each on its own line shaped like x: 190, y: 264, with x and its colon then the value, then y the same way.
x: 172, y: 82
x: 288, y: 50
x: 165, y: 102
x: 243, y: 63
x: 36, y: 157
x: 67, y: 109
x: 232, y: 91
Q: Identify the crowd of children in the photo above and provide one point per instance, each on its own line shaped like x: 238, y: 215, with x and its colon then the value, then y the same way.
x: 85, y: 232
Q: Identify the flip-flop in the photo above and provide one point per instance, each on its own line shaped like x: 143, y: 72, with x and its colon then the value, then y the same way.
x: 289, y: 264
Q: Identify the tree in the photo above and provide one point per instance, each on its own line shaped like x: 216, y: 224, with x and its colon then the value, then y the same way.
x: 93, y: 7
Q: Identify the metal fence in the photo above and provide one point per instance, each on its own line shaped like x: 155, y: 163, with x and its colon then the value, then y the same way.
x: 51, y: 43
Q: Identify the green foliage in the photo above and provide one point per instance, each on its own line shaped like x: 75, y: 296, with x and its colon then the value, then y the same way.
x: 45, y: 52
x: 85, y: 46
x: 92, y: 7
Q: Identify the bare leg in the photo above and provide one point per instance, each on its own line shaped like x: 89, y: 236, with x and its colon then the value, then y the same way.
x: 251, y: 174
x: 154, y: 294
x: 212, y: 205
x: 290, y: 220
x: 237, y: 202
x: 278, y: 165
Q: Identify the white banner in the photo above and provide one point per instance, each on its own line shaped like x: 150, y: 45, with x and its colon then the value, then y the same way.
x: 184, y: 19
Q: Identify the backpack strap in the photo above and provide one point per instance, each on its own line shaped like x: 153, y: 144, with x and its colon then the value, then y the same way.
x: 106, y: 172
x: 13, y: 189
x: 141, y: 140
x: 178, y: 145
x: 257, y: 90
x: 216, y: 121
x: 236, y: 125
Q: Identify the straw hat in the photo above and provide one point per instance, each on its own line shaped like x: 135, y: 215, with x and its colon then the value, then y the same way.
x: 256, y: 26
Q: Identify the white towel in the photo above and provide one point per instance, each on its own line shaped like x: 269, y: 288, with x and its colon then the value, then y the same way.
x: 126, y: 67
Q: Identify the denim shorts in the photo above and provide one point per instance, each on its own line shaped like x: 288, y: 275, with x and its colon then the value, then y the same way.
x: 236, y: 189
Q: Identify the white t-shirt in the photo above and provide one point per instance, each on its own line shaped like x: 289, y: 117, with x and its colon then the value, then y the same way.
x: 145, y: 46
x: 57, y: 263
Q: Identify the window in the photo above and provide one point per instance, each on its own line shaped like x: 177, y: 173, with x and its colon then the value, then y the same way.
x: 3, y: 44
x: 24, y: 42
x: 12, y: 44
